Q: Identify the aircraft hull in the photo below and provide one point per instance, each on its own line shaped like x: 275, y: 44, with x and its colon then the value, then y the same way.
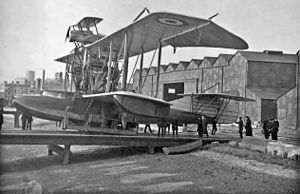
x: 43, y: 107
x: 142, y: 107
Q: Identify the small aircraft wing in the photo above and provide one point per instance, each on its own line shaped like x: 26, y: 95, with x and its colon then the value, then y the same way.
x: 136, y: 104
x: 219, y: 95
x: 145, y: 34
x: 88, y: 22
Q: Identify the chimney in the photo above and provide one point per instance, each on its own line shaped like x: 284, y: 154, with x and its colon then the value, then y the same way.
x: 43, y: 82
x: 270, y: 52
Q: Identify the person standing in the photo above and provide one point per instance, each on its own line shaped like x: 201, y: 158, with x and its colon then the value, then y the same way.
x: 66, y: 118
x: 147, y: 126
x: 1, y: 118
x: 275, y: 129
x: 241, y: 126
x: 200, y: 128
x: 248, y: 127
x: 24, y: 119
x: 214, y: 126
x: 175, y: 127
x: 265, y: 130
x: 161, y: 125
x: 29, y: 121
x: 204, y: 125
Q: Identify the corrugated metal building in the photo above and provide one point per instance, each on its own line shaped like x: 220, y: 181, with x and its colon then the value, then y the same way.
x: 269, y: 77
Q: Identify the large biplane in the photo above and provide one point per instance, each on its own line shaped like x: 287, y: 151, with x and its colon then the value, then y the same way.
x: 98, y: 99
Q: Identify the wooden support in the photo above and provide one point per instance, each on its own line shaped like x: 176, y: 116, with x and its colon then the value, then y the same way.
x: 50, y: 152
x: 64, y: 152
x: 67, y: 154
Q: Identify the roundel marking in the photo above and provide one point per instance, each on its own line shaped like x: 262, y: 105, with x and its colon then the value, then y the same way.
x: 171, y: 21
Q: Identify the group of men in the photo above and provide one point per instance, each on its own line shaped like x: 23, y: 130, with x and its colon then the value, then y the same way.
x: 248, y: 126
x: 26, y: 121
x: 271, y: 127
x: 162, y: 127
x: 202, y: 126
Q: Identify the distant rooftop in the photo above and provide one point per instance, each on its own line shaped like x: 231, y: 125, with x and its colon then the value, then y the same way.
x: 267, y: 56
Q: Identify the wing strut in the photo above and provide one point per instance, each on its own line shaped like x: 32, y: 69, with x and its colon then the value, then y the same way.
x: 141, y: 72
x: 219, y: 114
x: 202, y: 105
x: 137, y: 59
x: 149, y: 67
x: 158, y: 68
x: 125, y: 65
x: 108, y: 83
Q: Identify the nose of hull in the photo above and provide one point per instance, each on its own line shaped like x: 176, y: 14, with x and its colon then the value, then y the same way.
x: 41, y: 106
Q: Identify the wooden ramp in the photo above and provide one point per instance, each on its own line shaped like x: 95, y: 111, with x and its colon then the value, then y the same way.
x: 188, y: 147
x: 55, y: 140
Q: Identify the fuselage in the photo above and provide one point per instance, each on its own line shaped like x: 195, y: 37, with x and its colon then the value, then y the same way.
x: 53, y: 105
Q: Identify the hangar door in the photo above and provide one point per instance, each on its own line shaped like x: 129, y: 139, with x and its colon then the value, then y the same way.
x: 268, y: 109
x: 171, y: 89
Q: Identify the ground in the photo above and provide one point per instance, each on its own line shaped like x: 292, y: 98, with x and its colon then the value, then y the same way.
x: 218, y: 168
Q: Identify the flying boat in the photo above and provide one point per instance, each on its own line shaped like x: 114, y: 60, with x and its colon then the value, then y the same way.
x: 100, y: 101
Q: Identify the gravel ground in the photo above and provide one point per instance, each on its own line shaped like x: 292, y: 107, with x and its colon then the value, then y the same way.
x: 103, y: 169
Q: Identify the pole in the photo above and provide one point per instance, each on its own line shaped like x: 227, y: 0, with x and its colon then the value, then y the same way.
x: 298, y: 90
x: 141, y: 72
x: 66, y: 76
x: 42, y: 85
x: 107, y: 88
x: 125, y: 65
x: 158, y: 69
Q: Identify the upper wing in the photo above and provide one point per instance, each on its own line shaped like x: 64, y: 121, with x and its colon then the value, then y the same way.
x: 145, y: 34
x: 172, y: 29
x: 219, y: 95
x: 207, y: 35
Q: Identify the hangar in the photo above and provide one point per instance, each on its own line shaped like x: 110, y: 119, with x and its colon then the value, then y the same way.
x: 269, y: 77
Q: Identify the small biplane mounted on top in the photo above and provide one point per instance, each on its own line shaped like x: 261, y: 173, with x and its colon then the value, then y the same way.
x: 85, y: 31
x: 99, y: 99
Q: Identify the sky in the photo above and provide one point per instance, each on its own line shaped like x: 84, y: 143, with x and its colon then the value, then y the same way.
x: 32, y: 32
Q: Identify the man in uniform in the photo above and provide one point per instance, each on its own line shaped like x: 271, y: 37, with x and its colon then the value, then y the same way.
x: 248, y: 127
x: 241, y: 126
x: 204, y: 125
x: 175, y: 127
x: 275, y: 129
x: 200, y: 128
x: 214, y: 126
x: 1, y: 118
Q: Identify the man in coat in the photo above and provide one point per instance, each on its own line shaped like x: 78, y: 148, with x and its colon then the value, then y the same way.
x: 248, y: 127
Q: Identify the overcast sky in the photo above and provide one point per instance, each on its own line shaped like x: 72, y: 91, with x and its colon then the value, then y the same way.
x: 32, y: 31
